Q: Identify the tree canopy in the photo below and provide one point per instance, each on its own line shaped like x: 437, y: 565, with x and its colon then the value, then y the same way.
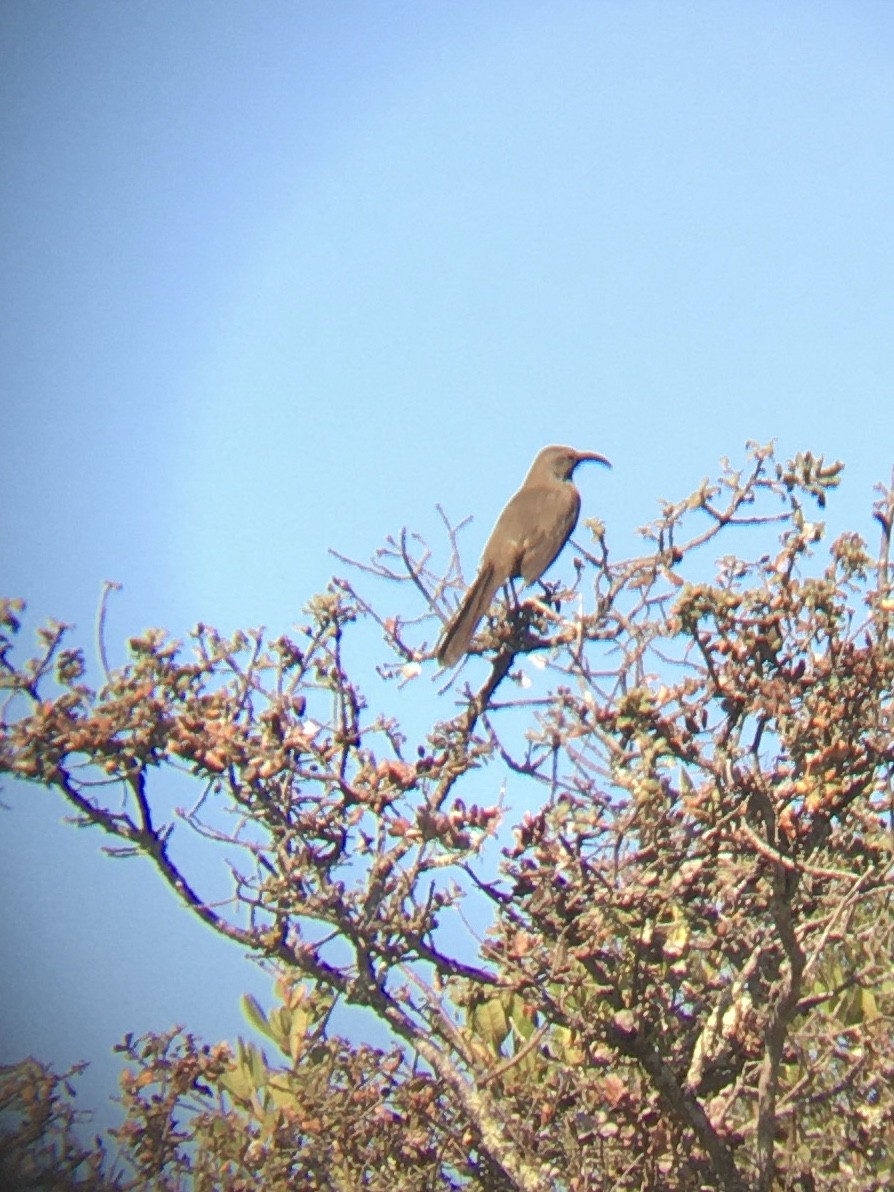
x: 622, y: 905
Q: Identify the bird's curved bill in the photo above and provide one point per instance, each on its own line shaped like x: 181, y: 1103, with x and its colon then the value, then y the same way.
x: 583, y: 456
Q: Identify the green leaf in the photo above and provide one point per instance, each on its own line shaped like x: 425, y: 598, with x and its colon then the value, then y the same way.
x: 489, y: 1022
x: 868, y: 1005
x: 301, y: 1020
x: 253, y: 1011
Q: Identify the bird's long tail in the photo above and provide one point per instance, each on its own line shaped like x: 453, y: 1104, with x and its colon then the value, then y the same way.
x: 458, y: 635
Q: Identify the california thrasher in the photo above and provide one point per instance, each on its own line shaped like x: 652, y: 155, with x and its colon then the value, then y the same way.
x: 528, y: 536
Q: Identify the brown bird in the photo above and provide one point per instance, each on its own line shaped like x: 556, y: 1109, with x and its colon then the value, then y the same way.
x: 528, y: 536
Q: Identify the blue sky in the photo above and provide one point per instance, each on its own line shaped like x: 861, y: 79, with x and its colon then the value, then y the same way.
x: 279, y: 277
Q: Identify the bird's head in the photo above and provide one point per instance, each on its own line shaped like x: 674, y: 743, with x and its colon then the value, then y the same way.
x: 560, y: 462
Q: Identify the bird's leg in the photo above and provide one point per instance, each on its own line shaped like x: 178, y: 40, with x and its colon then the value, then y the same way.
x: 516, y: 617
x: 513, y: 604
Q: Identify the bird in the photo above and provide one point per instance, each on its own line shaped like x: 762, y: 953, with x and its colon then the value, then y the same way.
x: 528, y: 536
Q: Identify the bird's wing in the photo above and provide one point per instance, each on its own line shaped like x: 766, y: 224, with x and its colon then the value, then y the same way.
x: 552, y: 521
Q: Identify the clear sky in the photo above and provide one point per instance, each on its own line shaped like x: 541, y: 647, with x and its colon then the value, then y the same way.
x: 282, y: 276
